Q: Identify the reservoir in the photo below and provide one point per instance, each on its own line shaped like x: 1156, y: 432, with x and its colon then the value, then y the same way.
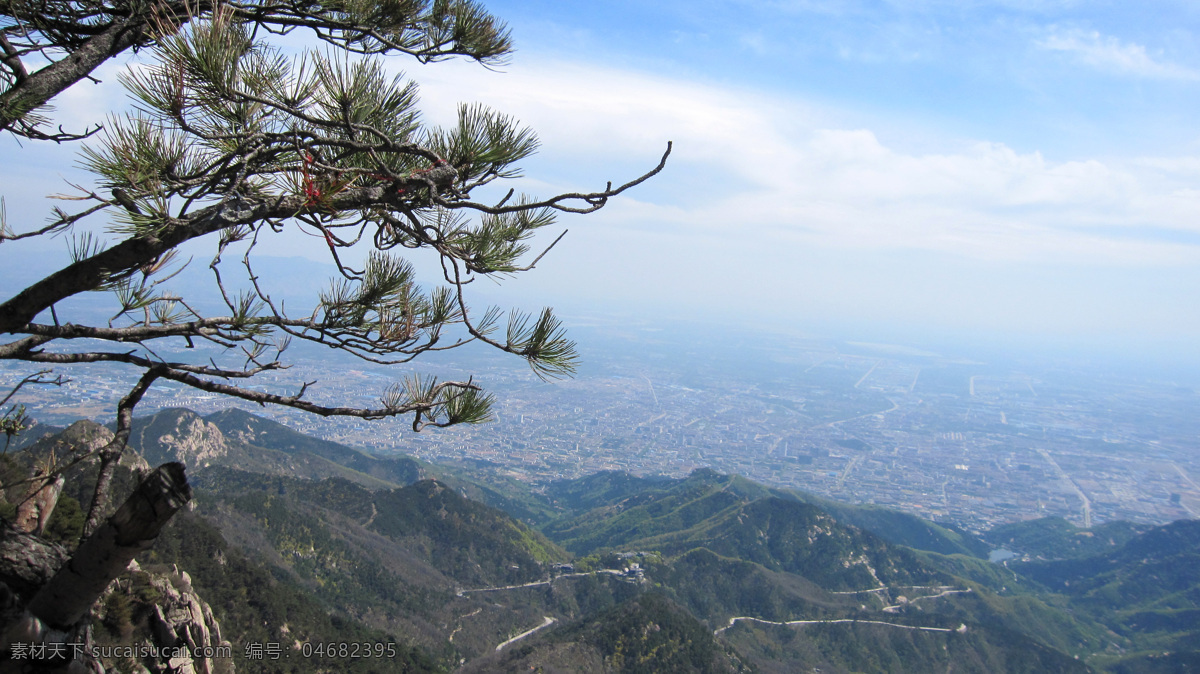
x: 1000, y: 555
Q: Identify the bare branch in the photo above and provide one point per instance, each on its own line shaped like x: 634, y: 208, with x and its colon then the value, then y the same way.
x: 111, y: 453
x: 36, y: 378
x: 16, y: 418
x: 60, y: 223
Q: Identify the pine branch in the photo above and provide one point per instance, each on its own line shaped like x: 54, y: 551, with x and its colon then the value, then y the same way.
x: 82, y: 36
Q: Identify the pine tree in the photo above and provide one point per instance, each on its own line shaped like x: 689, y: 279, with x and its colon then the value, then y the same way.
x: 234, y: 141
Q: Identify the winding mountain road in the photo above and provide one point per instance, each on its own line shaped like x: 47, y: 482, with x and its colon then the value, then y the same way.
x: 732, y: 621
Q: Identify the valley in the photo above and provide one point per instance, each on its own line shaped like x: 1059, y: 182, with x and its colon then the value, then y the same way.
x: 296, y: 541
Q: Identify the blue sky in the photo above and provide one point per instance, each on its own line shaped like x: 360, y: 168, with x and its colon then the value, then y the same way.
x: 914, y: 168
x: 1049, y: 76
x: 978, y: 169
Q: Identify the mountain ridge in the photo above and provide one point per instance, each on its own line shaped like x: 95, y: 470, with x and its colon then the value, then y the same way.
x: 622, y: 565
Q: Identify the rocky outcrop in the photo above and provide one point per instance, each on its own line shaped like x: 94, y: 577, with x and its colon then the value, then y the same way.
x: 73, y: 450
x: 81, y: 437
x: 34, y: 511
x: 26, y: 561
x: 181, y: 435
x: 181, y: 623
x: 45, y: 597
x: 46, y: 458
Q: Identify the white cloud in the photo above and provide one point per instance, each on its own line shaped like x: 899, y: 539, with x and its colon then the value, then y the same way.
x: 864, y: 7
x: 785, y: 171
x: 782, y: 171
x: 1110, y: 54
x: 774, y: 204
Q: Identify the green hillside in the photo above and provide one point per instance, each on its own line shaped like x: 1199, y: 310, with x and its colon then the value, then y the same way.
x: 647, y: 635
x: 659, y: 508
x: 184, y: 436
x: 737, y: 518
x: 1056, y: 538
x: 718, y: 588
x: 1147, y: 591
x: 707, y: 573
x: 595, y: 497
x: 598, y: 489
x: 801, y: 539
x: 865, y: 647
x: 256, y: 604
x: 464, y: 541
x: 260, y: 432
x: 902, y: 528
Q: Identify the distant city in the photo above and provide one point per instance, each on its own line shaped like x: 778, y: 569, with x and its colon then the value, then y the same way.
x: 971, y: 442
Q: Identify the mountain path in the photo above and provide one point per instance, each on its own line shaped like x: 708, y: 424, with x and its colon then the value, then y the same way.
x: 881, y: 588
x: 547, y: 621
x: 732, y: 621
x: 536, y: 583
x: 896, y: 608
x: 459, y: 628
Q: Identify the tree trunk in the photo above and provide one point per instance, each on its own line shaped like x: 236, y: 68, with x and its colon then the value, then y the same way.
x: 111, y: 453
x: 106, y: 553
